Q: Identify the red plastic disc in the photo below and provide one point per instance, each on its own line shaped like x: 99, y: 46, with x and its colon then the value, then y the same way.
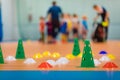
x: 45, y: 65
x: 110, y: 65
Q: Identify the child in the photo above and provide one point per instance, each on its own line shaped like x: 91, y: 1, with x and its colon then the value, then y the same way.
x: 49, y: 29
x: 42, y: 27
x: 84, y: 27
x: 63, y: 28
x: 69, y: 27
x: 75, y: 28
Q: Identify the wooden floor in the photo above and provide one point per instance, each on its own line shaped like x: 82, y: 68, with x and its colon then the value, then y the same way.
x: 31, y: 48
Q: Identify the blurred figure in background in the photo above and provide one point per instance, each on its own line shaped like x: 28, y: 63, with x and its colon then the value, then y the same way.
x: 55, y: 12
x: 102, y: 12
x: 63, y: 28
x: 49, y: 29
x: 75, y: 24
x: 42, y: 28
x: 69, y: 27
x: 84, y: 27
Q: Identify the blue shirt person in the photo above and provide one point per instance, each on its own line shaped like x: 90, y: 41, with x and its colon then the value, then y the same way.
x: 55, y: 12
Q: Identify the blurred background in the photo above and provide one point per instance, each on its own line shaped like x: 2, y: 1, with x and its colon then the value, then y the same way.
x: 20, y: 18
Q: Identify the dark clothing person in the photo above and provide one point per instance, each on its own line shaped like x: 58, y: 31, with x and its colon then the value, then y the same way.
x: 56, y: 27
x: 55, y: 11
x: 49, y: 28
x: 103, y: 16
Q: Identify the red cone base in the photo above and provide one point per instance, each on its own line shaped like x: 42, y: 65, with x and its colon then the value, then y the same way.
x: 45, y: 65
x: 110, y: 65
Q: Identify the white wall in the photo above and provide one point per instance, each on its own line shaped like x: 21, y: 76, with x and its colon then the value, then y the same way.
x: 9, y: 20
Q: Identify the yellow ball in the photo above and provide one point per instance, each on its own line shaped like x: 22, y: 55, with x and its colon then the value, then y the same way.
x: 46, y: 54
x: 37, y: 56
x: 55, y: 55
x: 70, y: 56
x: 105, y: 24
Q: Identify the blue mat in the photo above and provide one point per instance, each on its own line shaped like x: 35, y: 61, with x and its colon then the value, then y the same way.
x: 59, y: 75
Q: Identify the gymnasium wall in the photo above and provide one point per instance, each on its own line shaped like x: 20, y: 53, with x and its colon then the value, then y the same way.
x: 9, y: 20
x: 37, y: 8
x: 21, y: 9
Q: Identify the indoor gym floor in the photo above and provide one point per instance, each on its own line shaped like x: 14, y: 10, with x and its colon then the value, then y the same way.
x: 31, y: 48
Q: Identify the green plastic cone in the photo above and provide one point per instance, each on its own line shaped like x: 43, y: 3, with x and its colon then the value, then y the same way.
x: 20, y: 50
x: 76, y: 49
x: 87, y: 57
x: 1, y: 57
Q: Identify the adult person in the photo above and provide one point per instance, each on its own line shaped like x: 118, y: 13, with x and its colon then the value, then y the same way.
x: 103, y: 13
x: 55, y: 12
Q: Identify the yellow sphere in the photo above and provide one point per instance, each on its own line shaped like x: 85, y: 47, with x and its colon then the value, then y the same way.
x: 105, y: 24
x: 37, y: 56
x: 46, y: 54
